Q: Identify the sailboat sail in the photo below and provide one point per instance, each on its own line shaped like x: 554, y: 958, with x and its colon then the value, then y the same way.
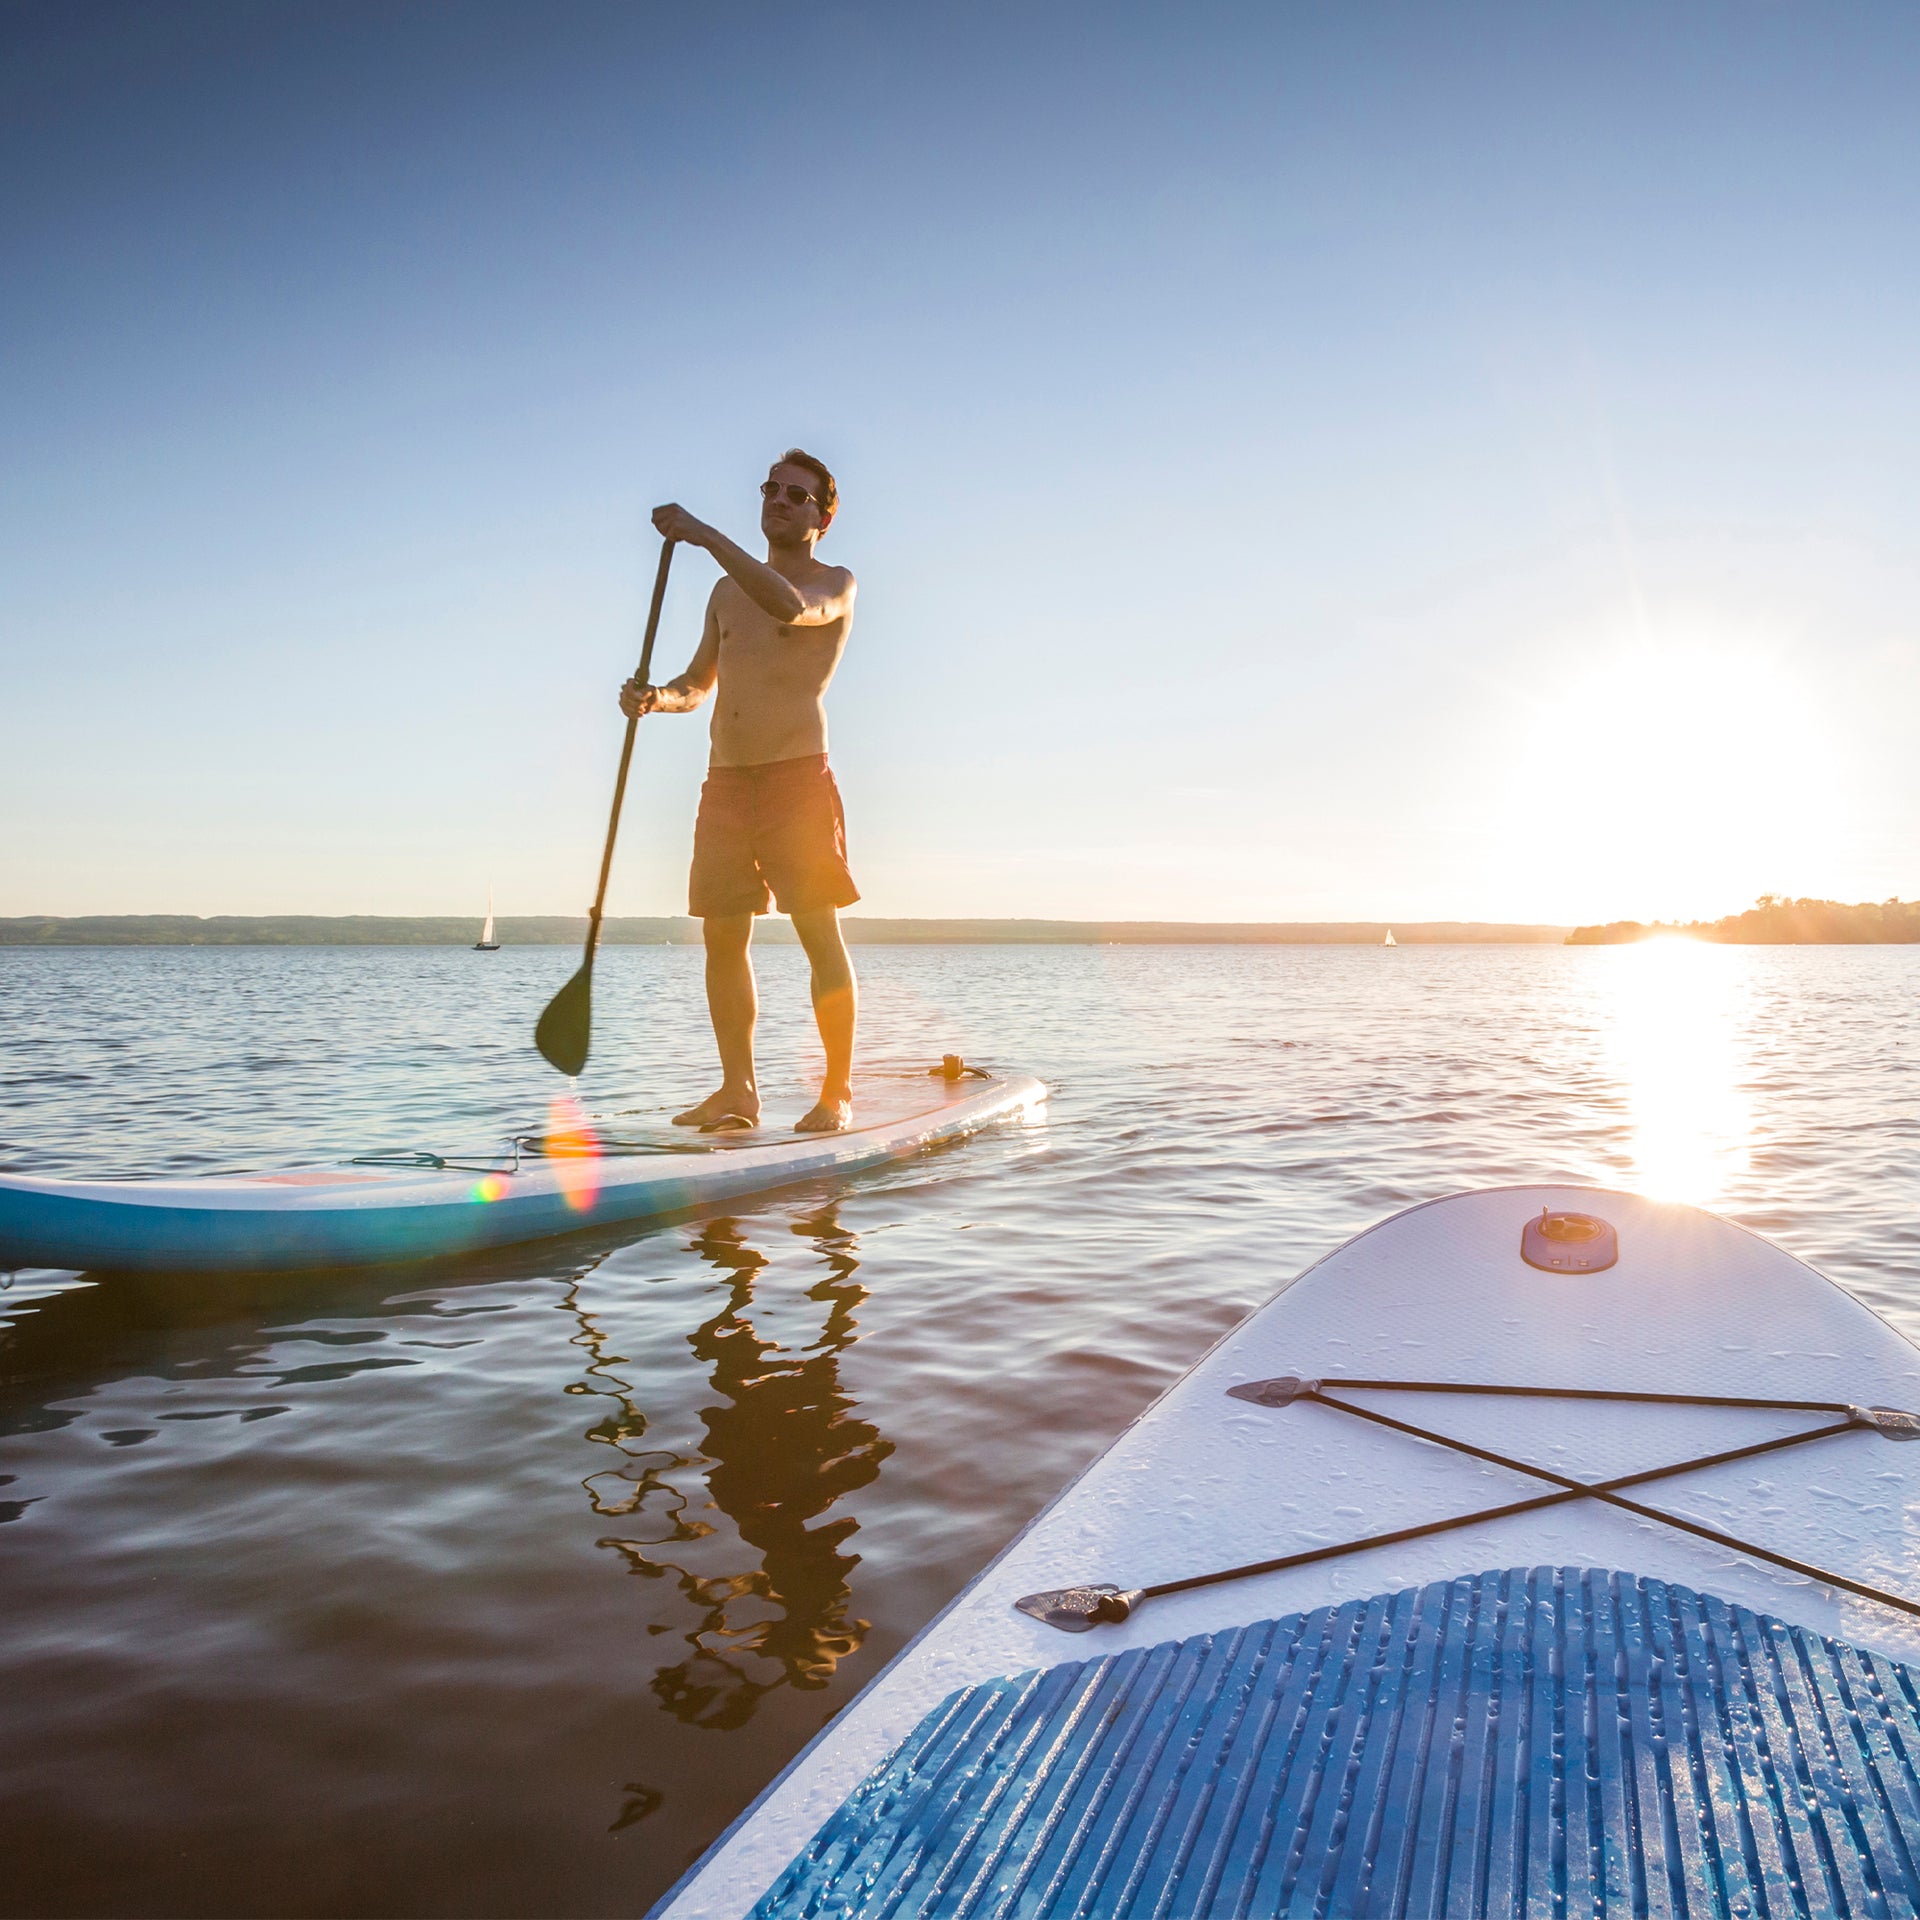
x: 487, y: 943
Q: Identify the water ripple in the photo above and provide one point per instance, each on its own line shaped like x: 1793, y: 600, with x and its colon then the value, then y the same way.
x: 501, y: 1585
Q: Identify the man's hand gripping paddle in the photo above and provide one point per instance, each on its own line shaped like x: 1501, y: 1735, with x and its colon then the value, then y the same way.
x: 565, y: 1030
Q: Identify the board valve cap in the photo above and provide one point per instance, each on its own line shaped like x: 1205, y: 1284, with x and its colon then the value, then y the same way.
x: 1569, y: 1242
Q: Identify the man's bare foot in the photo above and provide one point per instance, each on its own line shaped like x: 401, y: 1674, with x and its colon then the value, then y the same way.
x: 832, y: 1113
x: 725, y: 1104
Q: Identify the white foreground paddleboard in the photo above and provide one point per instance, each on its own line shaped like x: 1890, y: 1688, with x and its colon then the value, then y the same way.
x: 1571, y: 1709
x: 413, y: 1207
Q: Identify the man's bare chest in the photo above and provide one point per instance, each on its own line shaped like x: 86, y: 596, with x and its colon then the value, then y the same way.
x: 757, y: 643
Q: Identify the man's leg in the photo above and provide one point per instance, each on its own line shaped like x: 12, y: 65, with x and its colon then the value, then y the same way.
x: 835, y: 1004
x: 733, y: 1007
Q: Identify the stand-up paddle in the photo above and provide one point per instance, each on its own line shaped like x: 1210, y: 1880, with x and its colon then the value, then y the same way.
x: 565, y: 1031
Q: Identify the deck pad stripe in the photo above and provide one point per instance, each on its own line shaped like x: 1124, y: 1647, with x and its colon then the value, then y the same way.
x: 1527, y: 1741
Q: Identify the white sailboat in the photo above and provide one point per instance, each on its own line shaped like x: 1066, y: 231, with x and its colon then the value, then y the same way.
x: 487, y: 943
x: 1389, y: 941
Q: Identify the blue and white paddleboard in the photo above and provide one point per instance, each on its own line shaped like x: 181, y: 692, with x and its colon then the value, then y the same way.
x: 389, y: 1207
x: 1569, y: 1705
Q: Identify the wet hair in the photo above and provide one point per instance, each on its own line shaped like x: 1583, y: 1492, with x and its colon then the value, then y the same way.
x: 826, y: 493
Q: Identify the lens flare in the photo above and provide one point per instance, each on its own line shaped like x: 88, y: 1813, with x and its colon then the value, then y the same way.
x: 489, y: 1188
x: 574, y: 1149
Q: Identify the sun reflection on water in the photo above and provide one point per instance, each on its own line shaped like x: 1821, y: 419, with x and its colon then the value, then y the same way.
x: 1675, y: 1034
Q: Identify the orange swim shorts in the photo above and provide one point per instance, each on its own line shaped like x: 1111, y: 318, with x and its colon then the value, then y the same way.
x: 777, y: 829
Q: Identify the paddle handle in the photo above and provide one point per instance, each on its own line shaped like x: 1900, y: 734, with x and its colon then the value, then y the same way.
x: 653, y: 619
x: 626, y: 751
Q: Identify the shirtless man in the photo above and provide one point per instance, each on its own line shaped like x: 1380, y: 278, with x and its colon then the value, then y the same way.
x: 769, y: 812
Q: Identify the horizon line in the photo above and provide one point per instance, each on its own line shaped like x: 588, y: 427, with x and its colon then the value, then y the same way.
x: 681, y: 929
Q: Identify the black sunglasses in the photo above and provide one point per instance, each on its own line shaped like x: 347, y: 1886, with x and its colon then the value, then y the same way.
x: 772, y: 490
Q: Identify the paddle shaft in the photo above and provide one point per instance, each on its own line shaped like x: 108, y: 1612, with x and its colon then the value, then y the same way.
x: 626, y: 755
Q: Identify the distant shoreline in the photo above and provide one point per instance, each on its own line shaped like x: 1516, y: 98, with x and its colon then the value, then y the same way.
x: 1774, y: 921
x: 562, y: 930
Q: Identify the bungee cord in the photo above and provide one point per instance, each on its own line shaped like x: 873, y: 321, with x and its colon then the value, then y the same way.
x: 1078, y: 1609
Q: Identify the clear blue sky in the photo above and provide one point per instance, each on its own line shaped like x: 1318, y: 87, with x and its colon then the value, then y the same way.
x: 1301, y: 462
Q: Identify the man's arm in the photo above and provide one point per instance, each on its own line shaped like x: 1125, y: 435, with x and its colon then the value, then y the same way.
x: 681, y: 695
x: 814, y: 604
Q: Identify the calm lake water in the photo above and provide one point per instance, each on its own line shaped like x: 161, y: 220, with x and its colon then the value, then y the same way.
x: 499, y: 1587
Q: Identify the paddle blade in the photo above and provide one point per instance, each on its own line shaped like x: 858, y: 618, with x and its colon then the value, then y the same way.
x: 565, y: 1031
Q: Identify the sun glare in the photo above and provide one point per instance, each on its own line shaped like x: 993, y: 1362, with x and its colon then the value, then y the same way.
x: 1674, y: 1034
x: 1673, y: 783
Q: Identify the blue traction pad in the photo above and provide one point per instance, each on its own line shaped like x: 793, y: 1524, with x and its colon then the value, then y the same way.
x: 1559, y: 1741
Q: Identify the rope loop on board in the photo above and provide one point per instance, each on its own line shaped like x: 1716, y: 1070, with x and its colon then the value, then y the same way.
x: 1079, y: 1609
x: 549, y: 1146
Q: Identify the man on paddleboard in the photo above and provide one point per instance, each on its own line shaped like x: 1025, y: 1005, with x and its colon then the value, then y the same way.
x: 770, y: 820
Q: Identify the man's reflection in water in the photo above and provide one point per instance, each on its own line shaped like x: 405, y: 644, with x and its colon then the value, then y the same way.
x: 783, y: 1445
